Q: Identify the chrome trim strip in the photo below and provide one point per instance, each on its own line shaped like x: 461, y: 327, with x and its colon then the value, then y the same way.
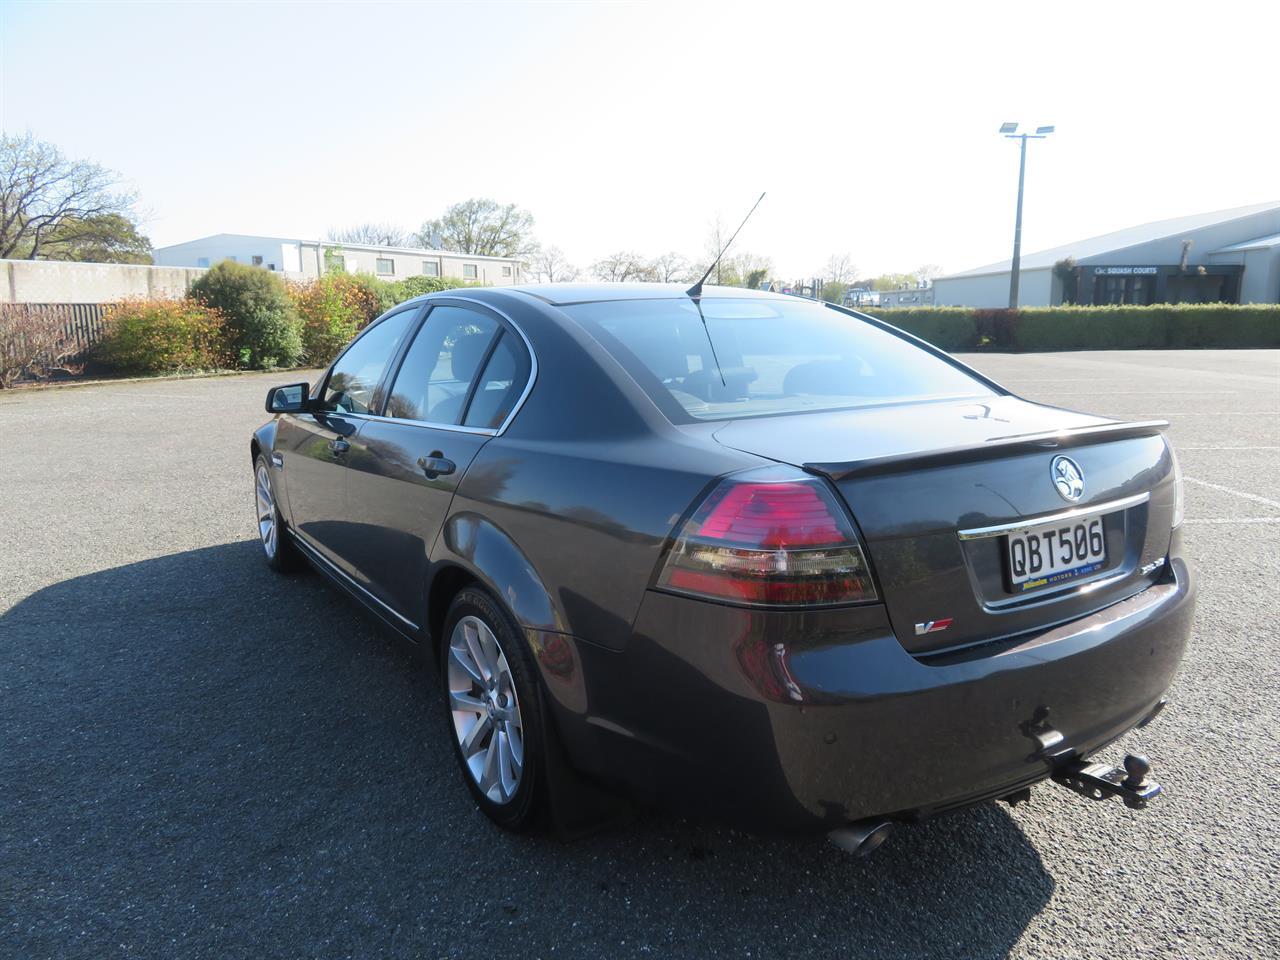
x: 978, y: 533
x: 346, y: 579
x: 1040, y: 597
x: 453, y: 427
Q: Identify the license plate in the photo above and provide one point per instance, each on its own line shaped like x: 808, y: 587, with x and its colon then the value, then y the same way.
x: 1054, y: 553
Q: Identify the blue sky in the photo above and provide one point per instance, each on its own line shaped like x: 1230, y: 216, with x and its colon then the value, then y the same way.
x: 633, y: 125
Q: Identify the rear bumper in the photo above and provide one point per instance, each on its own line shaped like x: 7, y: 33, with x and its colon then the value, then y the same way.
x: 808, y: 720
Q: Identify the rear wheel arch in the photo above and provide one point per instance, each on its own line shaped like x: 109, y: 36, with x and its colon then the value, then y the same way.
x: 488, y: 554
x: 445, y: 584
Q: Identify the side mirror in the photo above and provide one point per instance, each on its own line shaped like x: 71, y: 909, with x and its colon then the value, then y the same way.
x: 288, y: 399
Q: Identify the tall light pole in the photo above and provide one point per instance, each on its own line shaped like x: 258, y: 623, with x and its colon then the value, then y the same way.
x: 1010, y: 131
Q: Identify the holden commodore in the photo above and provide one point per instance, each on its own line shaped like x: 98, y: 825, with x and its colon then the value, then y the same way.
x: 735, y: 553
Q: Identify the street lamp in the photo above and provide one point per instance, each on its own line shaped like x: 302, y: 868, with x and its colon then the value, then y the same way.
x: 1010, y: 131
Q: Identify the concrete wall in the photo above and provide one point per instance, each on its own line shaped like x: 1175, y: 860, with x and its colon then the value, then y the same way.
x: 51, y: 281
x: 992, y: 290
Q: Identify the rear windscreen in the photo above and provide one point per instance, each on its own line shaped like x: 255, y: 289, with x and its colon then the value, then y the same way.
x: 744, y: 358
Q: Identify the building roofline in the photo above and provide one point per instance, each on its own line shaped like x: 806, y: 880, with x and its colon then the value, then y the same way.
x: 1125, y: 239
x: 339, y: 244
x: 975, y: 274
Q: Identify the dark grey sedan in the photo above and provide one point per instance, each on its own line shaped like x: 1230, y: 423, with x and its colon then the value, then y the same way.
x: 738, y: 554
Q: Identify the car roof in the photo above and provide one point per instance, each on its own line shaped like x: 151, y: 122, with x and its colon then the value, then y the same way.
x: 561, y: 294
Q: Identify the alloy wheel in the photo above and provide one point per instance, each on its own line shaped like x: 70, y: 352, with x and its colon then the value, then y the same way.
x: 266, y: 512
x: 485, y: 709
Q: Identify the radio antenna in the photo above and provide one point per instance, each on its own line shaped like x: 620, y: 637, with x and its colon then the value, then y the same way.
x: 696, y: 290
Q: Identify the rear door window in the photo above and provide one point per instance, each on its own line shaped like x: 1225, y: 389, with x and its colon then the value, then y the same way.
x: 742, y: 358
x: 435, y: 379
x: 501, y: 384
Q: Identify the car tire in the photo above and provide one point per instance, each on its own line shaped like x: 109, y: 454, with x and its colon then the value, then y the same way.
x: 489, y: 682
x: 277, y: 547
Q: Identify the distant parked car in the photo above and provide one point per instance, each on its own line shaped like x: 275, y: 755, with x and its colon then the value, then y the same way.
x: 738, y: 553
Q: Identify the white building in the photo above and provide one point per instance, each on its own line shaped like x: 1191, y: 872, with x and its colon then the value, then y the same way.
x: 303, y: 259
x: 1230, y: 256
x: 908, y: 295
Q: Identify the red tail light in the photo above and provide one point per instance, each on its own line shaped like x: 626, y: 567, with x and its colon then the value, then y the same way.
x: 773, y: 538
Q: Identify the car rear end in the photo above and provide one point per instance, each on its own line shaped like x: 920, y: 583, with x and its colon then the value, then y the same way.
x: 932, y: 597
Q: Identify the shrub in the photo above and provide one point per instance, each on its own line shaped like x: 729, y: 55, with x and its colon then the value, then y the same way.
x: 333, y: 309
x: 262, y: 325
x: 33, y: 341
x: 411, y: 287
x: 163, y: 336
x: 385, y: 292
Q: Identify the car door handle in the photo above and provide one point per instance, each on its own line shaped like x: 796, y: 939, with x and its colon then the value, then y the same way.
x: 339, y: 446
x: 436, y: 465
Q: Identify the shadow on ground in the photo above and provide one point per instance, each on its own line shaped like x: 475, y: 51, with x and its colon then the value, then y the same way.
x: 201, y: 758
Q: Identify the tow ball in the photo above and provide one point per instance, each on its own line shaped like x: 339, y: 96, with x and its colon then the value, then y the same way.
x: 1100, y: 781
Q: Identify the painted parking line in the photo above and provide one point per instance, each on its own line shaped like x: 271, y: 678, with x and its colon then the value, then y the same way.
x: 1235, y: 493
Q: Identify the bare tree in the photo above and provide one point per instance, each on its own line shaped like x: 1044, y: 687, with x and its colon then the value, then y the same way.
x: 621, y: 266
x: 482, y: 227
x: 42, y: 191
x: 752, y: 267
x: 670, y: 267
x: 928, y: 272
x: 549, y: 265
x: 378, y: 234
x: 840, y: 268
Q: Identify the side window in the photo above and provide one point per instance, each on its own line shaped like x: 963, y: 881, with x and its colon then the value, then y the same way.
x: 501, y: 384
x: 354, y: 380
x: 438, y: 370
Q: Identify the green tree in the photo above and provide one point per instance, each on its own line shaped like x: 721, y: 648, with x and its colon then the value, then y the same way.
x: 893, y: 281
x: 833, y: 291
x: 1065, y: 271
x: 42, y: 192
x: 107, y: 238
x: 262, y: 324
x: 481, y: 227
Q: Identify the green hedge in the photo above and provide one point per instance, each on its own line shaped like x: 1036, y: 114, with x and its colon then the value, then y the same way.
x: 1158, y: 327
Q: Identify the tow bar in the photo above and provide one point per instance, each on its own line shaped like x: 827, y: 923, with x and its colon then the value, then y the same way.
x: 1100, y: 781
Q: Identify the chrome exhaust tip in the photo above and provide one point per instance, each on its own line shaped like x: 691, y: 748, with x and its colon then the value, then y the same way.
x: 862, y: 837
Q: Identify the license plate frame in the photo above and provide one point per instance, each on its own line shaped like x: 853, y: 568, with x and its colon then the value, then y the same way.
x: 1044, y: 556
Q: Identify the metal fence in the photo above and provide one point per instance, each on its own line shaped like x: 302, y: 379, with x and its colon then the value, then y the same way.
x: 82, y: 323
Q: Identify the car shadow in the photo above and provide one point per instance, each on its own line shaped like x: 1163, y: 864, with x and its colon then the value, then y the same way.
x: 199, y: 757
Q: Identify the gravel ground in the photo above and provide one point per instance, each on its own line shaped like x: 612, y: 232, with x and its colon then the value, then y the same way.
x: 199, y: 759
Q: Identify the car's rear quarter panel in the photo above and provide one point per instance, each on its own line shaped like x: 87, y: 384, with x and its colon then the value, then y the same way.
x: 590, y: 513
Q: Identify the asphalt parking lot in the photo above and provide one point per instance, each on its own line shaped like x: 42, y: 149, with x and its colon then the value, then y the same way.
x: 201, y: 759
